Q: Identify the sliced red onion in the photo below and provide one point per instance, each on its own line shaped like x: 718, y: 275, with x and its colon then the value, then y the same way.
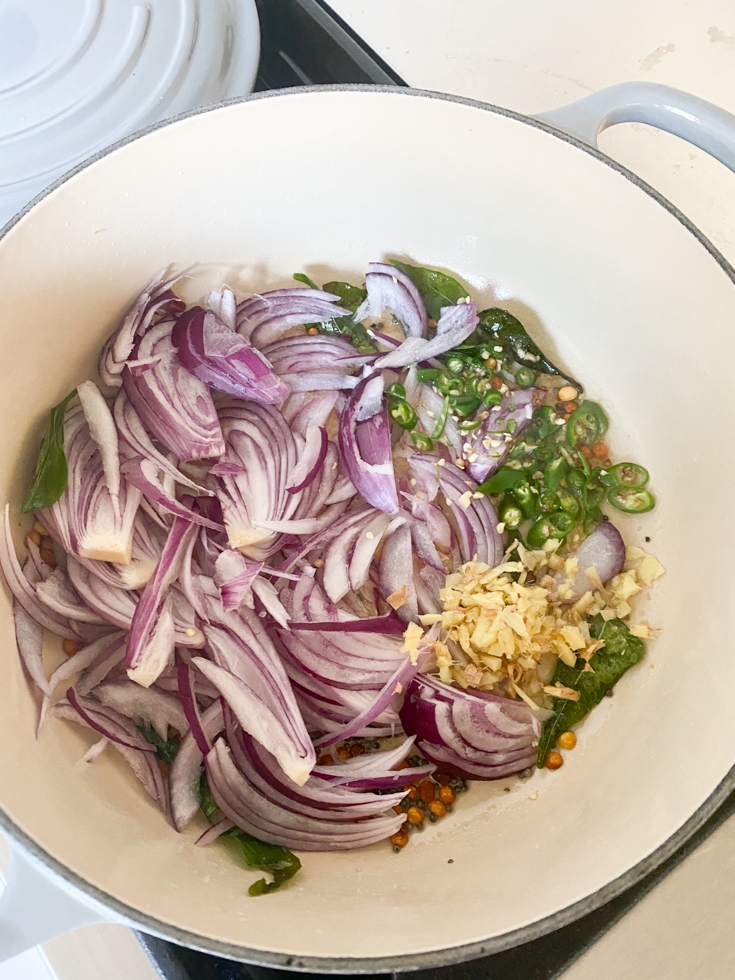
x: 424, y: 545
x: 172, y: 403
x: 109, y: 722
x: 156, y: 298
x: 429, y: 405
x: 97, y: 651
x: 256, y: 680
x: 265, y: 316
x: 268, y: 596
x: 187, y: 767
x: 144, y: 474
x: 261, y: 447
x: 388, y: 288
x: 215, y: 831
x: 310, y: 462
x: 29, y: 637
x: 389, y: 623
x: 476, y: 518
x: 314, y: 355
x: 489, y: 444
x: 246, y: 804
x: 102, y: 430
x: 95, y: 751
x: 114, y: 605
x: 370, y: 401
x: 57, y: 593
x: 143, y: 763
x: 23, y: 590
x: 315, y: 411
x: 224, y: 303
x: 367, y: 457
x: 393, y: 686
x: 133, y: 435
x: 603, y: 550
x: 258, y: 719
x: 187, y: 697
x: 365, y: 547
x: 478, y: 737
x: 151, y: 639
x: 454, y: 327
x: 149, y: 706
x: 396, y: 571
x: 337, y: 559
x: 89, y: 520
x: 352, y: 661
x: 223, y: 359
x: 439, y: 527
x: 234, y: 576
x: 428, y: 582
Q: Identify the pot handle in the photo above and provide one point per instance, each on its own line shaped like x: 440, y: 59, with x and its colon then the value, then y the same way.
x: 35, y: 906
x: 707, y: 126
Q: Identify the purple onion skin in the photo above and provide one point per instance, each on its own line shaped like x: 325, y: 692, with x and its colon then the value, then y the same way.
x: 490, y: 458
x: 603, y: 550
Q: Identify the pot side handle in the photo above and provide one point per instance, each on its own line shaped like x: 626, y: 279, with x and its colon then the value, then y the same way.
x: 35, y: 907
x: 707, y: 126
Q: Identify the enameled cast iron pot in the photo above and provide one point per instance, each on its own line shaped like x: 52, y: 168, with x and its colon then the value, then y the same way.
x: 615, y: 283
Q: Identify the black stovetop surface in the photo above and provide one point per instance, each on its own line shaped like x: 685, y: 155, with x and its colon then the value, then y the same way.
x: 304, y: 43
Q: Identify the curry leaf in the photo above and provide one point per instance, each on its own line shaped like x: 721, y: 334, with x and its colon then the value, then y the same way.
x: 437, y: 288
x: 622, y: 651
x: 49, y: 480
x: 350, y: 298
x: 505, y: 479
x: 279, y: 861
x: 302, y: 277
x: 166, y: 751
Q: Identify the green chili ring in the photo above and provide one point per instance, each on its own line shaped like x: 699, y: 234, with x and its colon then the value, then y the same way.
x: 630, y: 475
x: 631, y: 500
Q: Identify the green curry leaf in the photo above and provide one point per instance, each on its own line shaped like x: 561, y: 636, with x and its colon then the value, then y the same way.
x: 437, y: 288
x: 622, y: 651
x: 49, y: 480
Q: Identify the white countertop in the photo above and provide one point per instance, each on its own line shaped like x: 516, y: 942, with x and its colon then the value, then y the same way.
x: 534, y: 55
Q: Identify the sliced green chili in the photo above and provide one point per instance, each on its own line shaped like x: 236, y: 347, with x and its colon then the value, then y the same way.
x: 525, y: 377
x: 541, y: 532
x: 586, y: 424
x: 442, y: 420
x: 455, y: 364
x: 422, y: 441
x: 576, y: 479
x: 465, y: 405
x: 403, y: 414
x: 526, y: 498
x: 428, y: 374
x: 569, y: 503
x: 492, y: 397
x: 449, y: 384
x: 467, y: 425
x: 511, y: 515
x: 630, y: 475
x: 548, y: 501
x: 562, y: 521
x: 555, y: 471
x: 631, y: 500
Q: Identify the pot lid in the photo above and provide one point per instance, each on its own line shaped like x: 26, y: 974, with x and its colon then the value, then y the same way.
x: 79, y: 75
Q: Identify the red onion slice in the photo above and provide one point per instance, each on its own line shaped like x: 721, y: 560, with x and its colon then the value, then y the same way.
x: 143, y: 763
x: 108, y: 723
x: 187, y: 768
x: 265, y: 316
x: 144, y: 474
x: 215, y: 831
x: 172, y: 403
x: 388, y: 288
x: 489, y: 444
x: 149, y: 706
x: 367, y: 457
x: 152, y: 626
x: 223, y: 359
x: 454, y: 327
x: 234, y: 576
x: 396, y: 571
x: 156, y: 298
x: 187, y: 697
x: 314, y: 355
x: 603, y: 550
x: 311, y: 459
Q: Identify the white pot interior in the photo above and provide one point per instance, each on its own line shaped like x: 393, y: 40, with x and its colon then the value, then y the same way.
x: 616, y: 287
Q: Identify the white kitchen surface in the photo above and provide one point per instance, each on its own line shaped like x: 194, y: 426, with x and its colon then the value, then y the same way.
x: 534, y: 55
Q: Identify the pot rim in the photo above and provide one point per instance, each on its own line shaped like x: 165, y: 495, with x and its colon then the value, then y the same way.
x: 452, y: 954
